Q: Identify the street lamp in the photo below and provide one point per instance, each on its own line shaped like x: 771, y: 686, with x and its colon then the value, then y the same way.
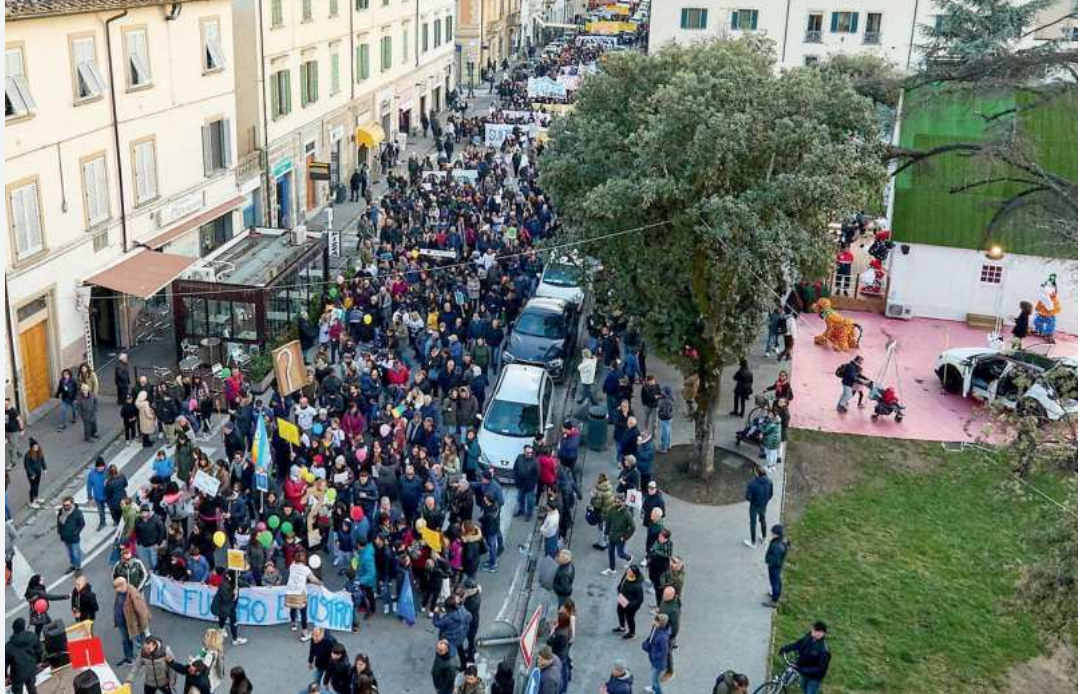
x: 996, y: 253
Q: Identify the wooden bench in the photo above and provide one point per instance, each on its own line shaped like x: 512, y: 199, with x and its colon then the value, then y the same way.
x: 981, y: 321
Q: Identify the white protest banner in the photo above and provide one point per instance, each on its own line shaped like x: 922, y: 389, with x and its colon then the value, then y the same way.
x: 255, y: 607
x: 436, y: 253
x: 206, y: 483
x: 496, y: 133
x: 462, y: 176
x: 570, y: 82
x: 545, y: 88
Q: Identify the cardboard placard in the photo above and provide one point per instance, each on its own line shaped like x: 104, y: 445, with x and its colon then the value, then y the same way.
x: 236, y: 560
x: 288, y: 431
x: 206, y: 483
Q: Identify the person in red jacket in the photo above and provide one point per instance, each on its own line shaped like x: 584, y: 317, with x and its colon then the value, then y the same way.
x: 546, y: 463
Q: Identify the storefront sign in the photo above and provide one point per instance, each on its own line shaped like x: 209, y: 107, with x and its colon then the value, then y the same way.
x: 318, y: 171
x: 281, y: 168
x: 255, y: 606
x: 333, y: 243
x: 336, y: 133
x: 180, y: 208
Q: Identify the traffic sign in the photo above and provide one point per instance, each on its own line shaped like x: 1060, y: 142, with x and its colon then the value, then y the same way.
x: 532, y: 684
x: 528, y: 636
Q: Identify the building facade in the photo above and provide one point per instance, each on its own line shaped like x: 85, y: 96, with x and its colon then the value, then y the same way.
x: 106, y: 102
x: 321, y: 84
x: 489, y: 31
x: 808, y: 31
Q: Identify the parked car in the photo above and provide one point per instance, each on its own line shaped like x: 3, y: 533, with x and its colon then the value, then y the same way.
x: 1028, y: 382
x: 562, y: 280
x: 544, y: 334
x: 520, y: 408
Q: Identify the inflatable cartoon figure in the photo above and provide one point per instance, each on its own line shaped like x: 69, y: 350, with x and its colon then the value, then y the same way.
x: 840, y: 332
x: 1046, y: 309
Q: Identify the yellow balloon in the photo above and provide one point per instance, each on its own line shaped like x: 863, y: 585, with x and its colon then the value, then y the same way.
x: 219, y: 539
x: 309, y: 478
x: 367, y: 319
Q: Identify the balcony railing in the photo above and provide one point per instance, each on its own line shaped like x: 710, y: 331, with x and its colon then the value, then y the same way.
x: 872, y: 38
x: 812, y: 37
x: 249, y: 167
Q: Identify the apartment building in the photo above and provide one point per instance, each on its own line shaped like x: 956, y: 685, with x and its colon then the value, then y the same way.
x: 488, y: 31
x: 119, y: 170
x: 806, y: 31
x: 322, y: 83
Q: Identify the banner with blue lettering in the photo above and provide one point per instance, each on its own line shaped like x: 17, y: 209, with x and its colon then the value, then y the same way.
x: 256, y: 606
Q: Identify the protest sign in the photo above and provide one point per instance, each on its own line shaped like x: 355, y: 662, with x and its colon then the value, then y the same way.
x: 236, y: 560
x: 431, y: 538
x: 496, y: 133
x: 206, y: 483
x: 545, y: 88
x: 288, y: 431
x: 255, y: 606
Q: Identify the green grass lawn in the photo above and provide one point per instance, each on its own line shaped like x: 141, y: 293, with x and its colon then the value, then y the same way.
x: 914, y: 566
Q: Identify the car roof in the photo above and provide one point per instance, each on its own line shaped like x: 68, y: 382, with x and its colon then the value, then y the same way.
x: 520, y: 383
x: 544, y: 303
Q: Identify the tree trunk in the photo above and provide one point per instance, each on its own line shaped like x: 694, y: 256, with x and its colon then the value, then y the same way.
x: 701, y: 465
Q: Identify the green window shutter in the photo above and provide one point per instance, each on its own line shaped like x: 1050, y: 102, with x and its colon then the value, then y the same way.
x: 365, y: 61
x: 333, y: 8
x: 335, y: 73
x: 313, y: 78
x: 424, y: 38
x: 684, y: 19
x: 449, y: 28
x: 288, y: 91
x: 275, y: 97
x: 303, y: 84
x: 753, y: 20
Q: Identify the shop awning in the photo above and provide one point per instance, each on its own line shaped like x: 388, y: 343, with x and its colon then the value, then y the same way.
x: 142, y: 274
x: 370, y: 136
x: 197, y: 221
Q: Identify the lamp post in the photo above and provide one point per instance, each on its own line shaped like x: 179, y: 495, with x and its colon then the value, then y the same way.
x: 997, y: 254
x: 472, y: 75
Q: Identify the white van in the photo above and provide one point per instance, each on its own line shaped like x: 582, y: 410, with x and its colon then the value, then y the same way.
x: 520, y: 408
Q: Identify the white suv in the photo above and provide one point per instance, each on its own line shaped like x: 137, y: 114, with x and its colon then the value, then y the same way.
x: 520, y: 408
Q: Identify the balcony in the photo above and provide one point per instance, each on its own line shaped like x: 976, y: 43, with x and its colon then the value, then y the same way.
x: 872, y: 38
x: 249, y: 167
x: 812, y: 36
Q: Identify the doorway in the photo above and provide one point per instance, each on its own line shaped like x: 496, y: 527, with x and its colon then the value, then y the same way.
x: 423, y: 106
x: 405, y: 121
x: 284, y: 193
x: 311, y: 202
x: 36, y: 369
x: 436, y: 99
x: 104, y: 324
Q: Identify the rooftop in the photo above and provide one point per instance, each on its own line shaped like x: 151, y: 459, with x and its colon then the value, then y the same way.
x: 256, y: 258
x: 30, y: 9
x: 925, y: 211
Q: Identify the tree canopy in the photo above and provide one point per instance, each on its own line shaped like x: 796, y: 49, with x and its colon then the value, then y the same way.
x: 744, y: 168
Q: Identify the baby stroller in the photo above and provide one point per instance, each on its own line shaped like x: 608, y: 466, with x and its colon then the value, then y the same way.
x: 755, y: 421
x: 886, y: 403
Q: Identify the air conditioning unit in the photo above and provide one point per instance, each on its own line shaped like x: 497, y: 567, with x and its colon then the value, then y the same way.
x: 899, y: 311
x: 299, y: 234
x: 202, y: 274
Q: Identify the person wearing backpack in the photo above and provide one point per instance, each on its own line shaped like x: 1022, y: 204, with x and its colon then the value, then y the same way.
x: 775, y: 320
x: 774, y: 561
x: 851, y: 378
x: 731, y: 682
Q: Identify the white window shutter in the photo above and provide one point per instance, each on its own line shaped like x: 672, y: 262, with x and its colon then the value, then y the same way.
x: 226, y: 142
x: 18, y: 216
x: 13, y: 63
x: 207, y: 150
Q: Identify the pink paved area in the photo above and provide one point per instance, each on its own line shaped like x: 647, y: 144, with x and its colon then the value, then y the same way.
x: 931, y: 414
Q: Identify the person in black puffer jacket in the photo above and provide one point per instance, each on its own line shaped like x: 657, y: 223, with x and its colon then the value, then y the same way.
x: 22, y: 653
x: 338, y: 675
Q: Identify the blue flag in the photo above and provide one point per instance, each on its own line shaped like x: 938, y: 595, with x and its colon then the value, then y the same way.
x: 406, y: 606
x: 260, y: 454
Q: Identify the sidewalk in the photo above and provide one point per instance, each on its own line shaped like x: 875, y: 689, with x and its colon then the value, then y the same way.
x: 724, y: 624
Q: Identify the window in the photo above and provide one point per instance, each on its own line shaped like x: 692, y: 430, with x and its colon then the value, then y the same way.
x: 305, y: 10
x: 17, y: 99
x: 744, y: 20
x: 424, y: 38
x: 213, y: 55
x: 387, y: 57
x: 145, y: 169
x: 309, y: 82
x: 449, y: 28
x: 873, y: 28
x: 100, y: 238
x: 138, y: 58
x: 335, y: 71
x: 333, y: 8
x: 280, y: 94
x: 362, y: 5
x: 813, y: 27
x: 694, y: 18
x: 405, y: 44
x: 810, y: 60
x: 216, y: 146
x: 990, y: 274
x: 363, y: 62
x: 438, y: 34
x: 26, y: 220
x: 277, y: 14
x: 95, y: 191
x: 844, y: 23
x: 88, y: 81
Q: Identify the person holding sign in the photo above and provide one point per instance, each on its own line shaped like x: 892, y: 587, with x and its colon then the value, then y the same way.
x: 223, y: 606
x: 300, y: 574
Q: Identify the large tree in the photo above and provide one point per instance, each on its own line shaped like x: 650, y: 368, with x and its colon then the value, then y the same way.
x: 730, y: 172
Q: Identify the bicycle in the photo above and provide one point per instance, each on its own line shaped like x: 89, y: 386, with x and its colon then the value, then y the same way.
x: 780, y: 683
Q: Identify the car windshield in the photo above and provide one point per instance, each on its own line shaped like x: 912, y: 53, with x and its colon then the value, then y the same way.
x: 540, y: 324
x: 513, y: 419
x: 562, y: 275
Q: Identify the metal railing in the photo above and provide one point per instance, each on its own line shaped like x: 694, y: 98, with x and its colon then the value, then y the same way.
x: 249, y: 166
x: 812, y: 37
x: 872, y: 38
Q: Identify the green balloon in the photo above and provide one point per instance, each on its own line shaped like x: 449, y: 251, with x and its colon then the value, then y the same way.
x: 273, y: 522
x: 225, y: 373
x: 333, y: 292
x: 265, y: 539
x: 286, y: 528
x: 331, y: 495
